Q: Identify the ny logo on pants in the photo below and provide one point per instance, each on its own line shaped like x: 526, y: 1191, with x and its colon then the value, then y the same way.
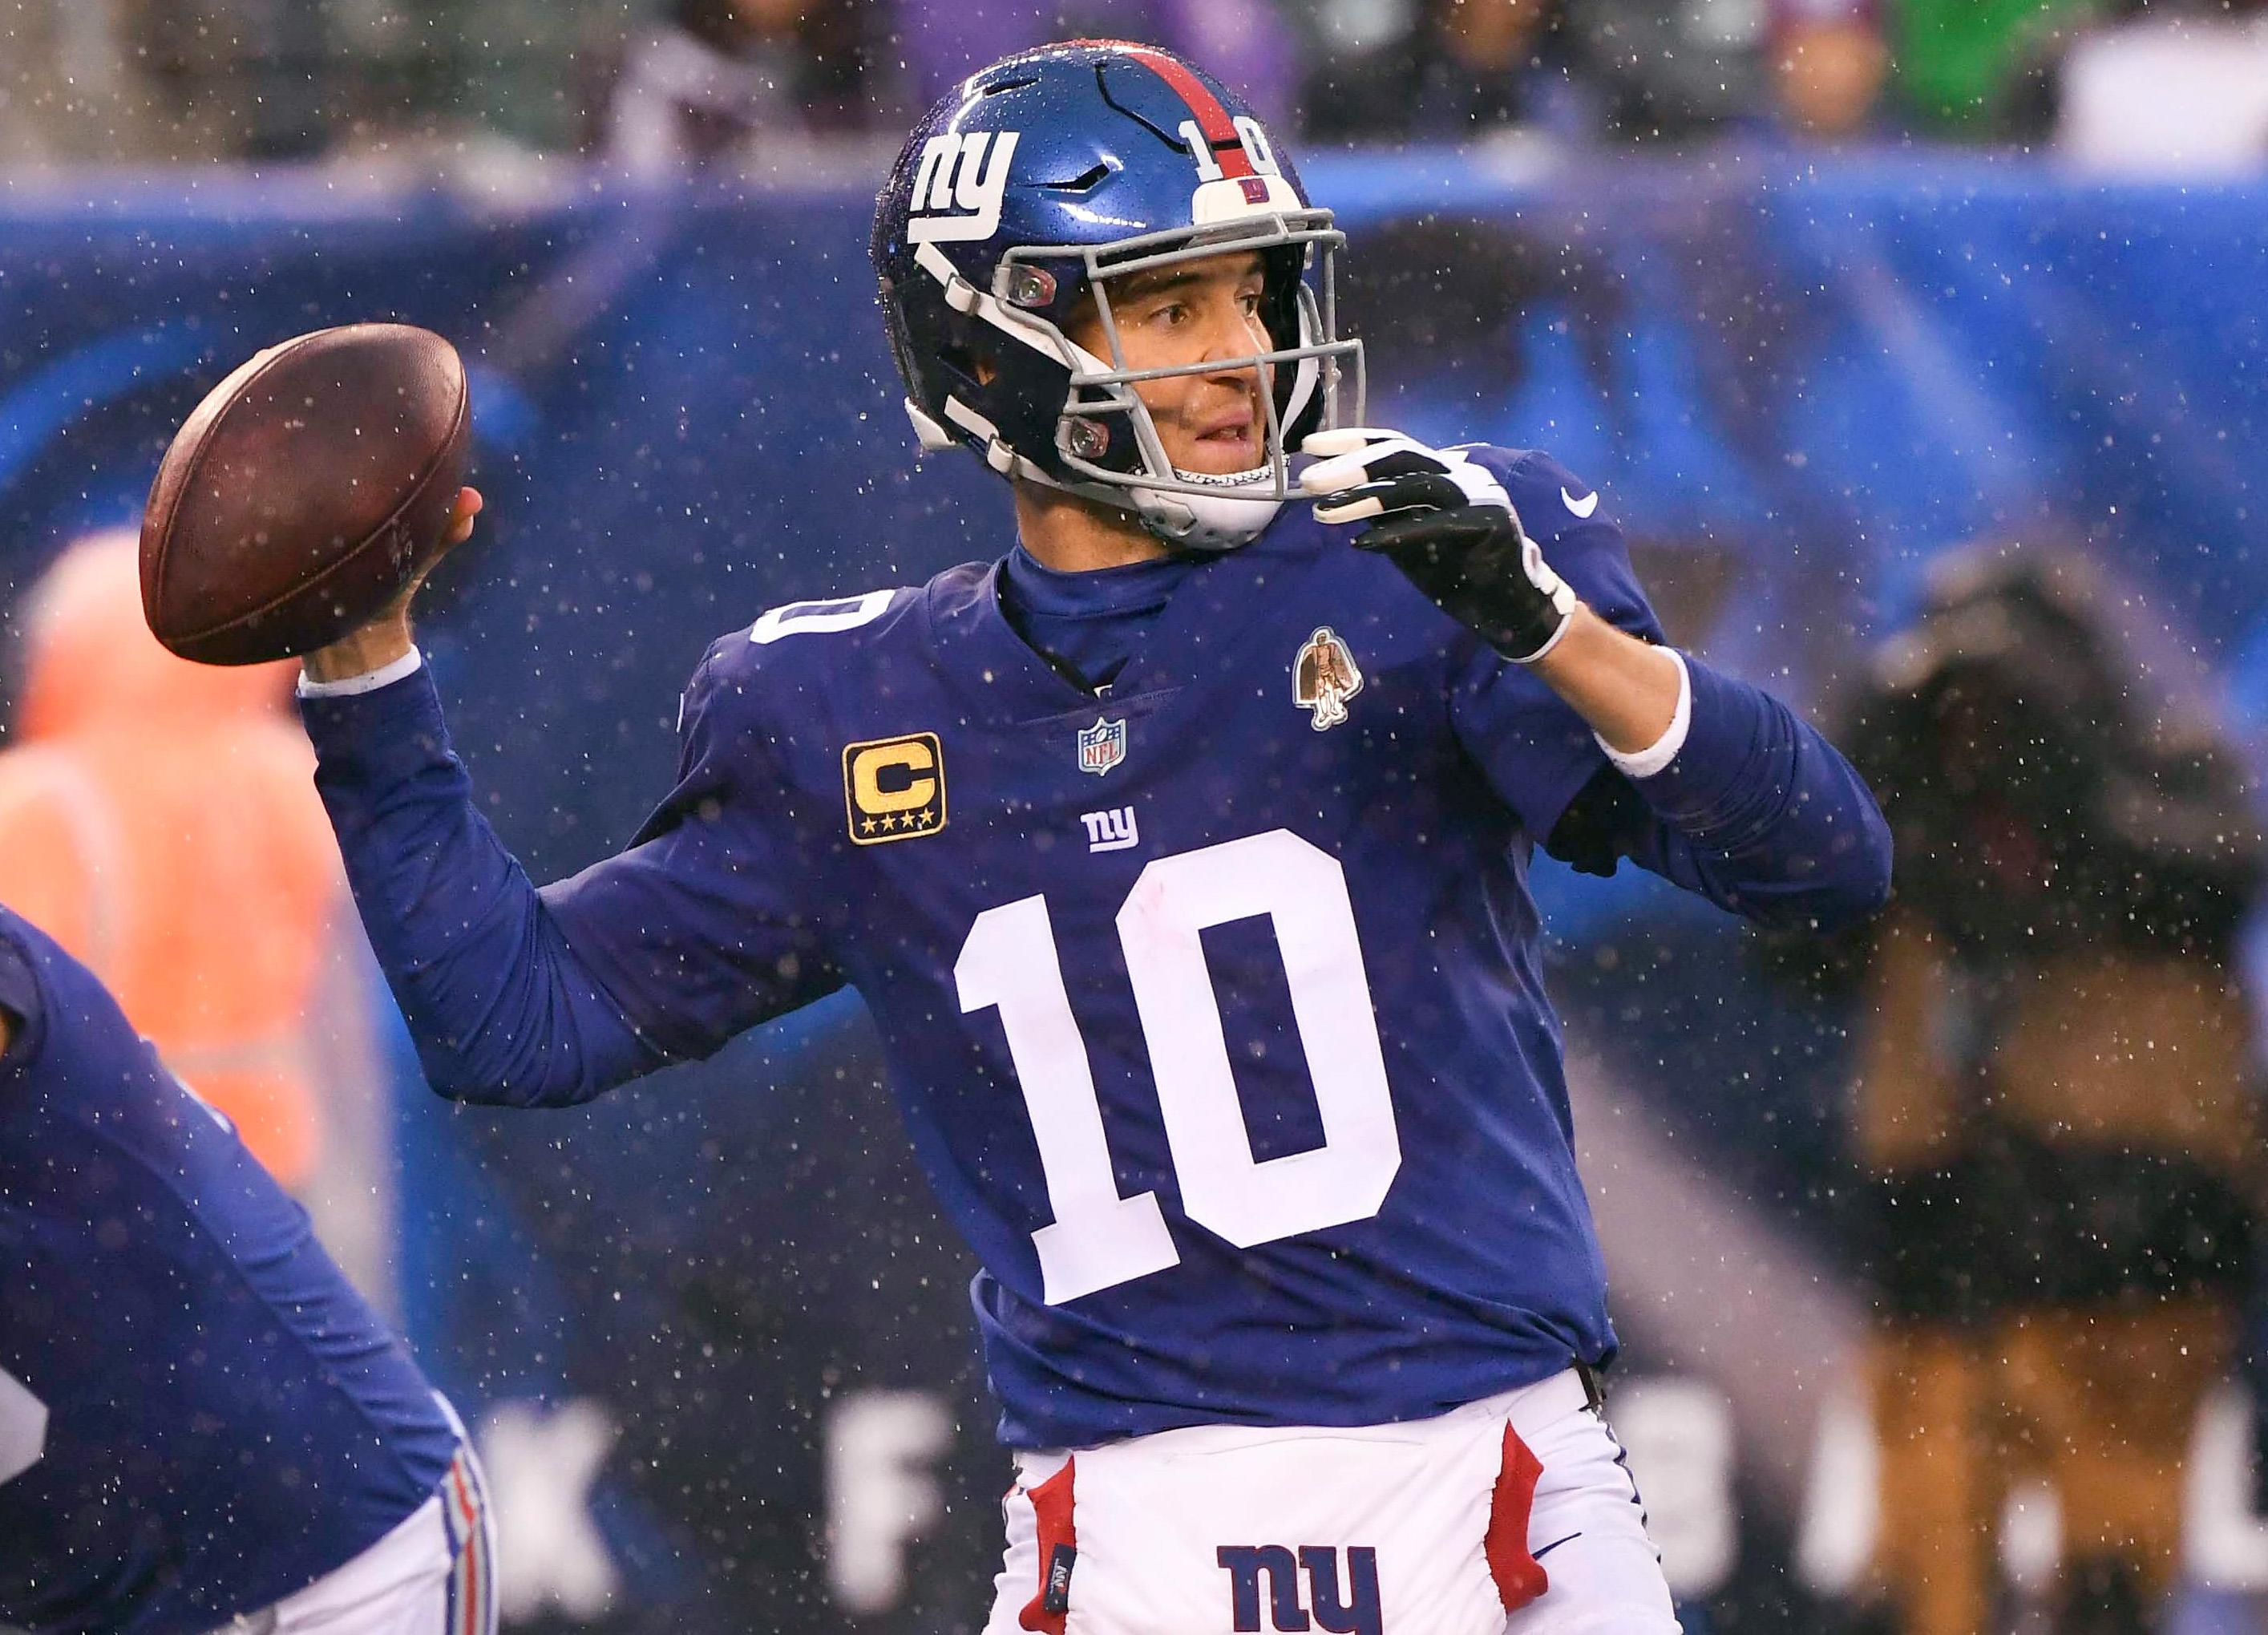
x: 1353, y: 1612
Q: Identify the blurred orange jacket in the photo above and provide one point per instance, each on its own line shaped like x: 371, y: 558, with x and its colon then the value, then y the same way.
x: 158, y: 818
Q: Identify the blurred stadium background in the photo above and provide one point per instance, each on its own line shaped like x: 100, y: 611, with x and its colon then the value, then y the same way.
x: 1825, y: 295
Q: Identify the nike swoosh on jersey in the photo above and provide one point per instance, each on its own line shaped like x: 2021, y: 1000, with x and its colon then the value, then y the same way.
x: 1584, y: 506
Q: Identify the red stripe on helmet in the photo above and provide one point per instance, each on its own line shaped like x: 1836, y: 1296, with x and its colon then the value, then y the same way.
x: 1212, y: 119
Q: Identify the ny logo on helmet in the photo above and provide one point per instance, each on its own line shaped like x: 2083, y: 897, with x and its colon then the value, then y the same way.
x: 959, y: 186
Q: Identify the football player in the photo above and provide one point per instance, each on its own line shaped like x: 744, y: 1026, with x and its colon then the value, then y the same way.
x: 203, y: 1428
x: 1181, y: 855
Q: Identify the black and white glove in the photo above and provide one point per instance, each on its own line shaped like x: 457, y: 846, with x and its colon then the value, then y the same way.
x: 1450, y: 528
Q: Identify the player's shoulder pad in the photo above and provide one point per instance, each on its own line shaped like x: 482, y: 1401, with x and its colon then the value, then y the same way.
x: 1551, y: 499
x: 1579, y: 537
x: 790, y: 656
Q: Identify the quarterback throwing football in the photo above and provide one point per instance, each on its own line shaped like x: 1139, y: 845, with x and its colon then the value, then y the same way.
x: 1182, y: 857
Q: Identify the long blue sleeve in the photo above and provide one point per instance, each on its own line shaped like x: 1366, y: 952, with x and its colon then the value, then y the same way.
x: 659, y: 954
x: 1756, y: 812
x: 500, y: 1008
x: 1760, y: 815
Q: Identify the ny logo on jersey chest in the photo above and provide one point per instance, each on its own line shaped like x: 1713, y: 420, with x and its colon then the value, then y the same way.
x: 1113, y: 830
x: 1353, y: 1610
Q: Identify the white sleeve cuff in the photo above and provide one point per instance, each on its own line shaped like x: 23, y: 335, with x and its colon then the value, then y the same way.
x: 368, y: 681
x: 1657, y: 756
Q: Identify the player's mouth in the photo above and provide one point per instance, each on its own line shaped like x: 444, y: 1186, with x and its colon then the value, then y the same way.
x: 1230, y: 442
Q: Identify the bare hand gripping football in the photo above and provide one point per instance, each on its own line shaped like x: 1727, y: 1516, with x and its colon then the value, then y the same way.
x: 307, y: 495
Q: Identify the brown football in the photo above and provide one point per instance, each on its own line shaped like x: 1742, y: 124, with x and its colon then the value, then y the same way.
x: 303, y: 492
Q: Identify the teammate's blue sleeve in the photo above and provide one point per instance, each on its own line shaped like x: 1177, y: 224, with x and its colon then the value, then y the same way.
x: 546, y: 998
x: 1756, y: 812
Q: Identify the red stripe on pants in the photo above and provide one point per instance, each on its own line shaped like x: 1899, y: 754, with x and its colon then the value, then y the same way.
x: 1520, y: 1577
x: 1051, y: 1504
x: 470, y: 1553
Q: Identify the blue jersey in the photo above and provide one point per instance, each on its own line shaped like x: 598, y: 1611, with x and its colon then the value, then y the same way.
x: 198, y: 1415
x: 1213, y: 1002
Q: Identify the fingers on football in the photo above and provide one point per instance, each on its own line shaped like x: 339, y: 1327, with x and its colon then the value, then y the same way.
x: 1410, y: 489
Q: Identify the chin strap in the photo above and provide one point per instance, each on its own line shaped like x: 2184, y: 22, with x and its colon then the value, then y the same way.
x: 1219, y: 521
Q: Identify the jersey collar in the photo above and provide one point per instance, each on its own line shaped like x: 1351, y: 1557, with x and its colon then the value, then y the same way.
x: 1195, y: 639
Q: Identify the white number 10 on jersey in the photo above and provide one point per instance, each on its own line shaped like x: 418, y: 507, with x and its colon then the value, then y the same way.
x: 1099, y: 1239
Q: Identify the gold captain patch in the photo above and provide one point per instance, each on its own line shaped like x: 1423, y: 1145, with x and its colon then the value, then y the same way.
x: 894, y: 788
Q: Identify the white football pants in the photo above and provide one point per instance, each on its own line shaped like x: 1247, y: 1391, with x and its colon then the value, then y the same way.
x: 1515, y: 1515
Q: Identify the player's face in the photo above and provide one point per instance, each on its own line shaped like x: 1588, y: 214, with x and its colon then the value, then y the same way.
x: 1209, y: 421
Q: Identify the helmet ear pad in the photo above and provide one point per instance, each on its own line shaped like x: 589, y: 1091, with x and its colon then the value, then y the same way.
x: 1105, y: 436
x: 1027, y: 392
x: 1010, y: 386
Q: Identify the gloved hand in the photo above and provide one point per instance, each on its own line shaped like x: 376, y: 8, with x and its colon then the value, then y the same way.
x: 1450, y: 527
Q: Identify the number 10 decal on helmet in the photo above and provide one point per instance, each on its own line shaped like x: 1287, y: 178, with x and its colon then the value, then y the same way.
x: 1016, y: 204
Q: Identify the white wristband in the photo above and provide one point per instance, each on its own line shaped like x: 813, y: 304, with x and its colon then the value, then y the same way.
x: 368, y: 681
x: 1657, y: 756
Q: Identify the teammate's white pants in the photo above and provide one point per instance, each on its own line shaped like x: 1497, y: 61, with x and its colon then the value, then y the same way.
x: 434, y: 1574
x: 1435, y: 1527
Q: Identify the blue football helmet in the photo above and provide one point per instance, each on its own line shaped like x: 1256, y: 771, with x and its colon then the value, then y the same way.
x: 1021, y: 196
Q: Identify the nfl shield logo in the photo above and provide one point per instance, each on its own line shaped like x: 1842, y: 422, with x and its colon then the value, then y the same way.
x: 1101, y: 747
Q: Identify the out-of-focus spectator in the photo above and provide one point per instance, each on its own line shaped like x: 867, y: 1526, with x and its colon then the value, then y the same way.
x: 1984, y: 69
x: 1829, y: 63
x: 1455, y: 70
x: 69, y: 90
x: 1675, y: 70
x: 2053, y: 1107
x: 159, y: 820
x: 235, y: 78
x: 720, y: 74
x: 1243, y: 43
x: 2174, y: 88
x: 142, y: 81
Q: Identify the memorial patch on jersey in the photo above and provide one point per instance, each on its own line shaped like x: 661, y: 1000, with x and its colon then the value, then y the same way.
x: 1324, y: 677
x: 894, y: 788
